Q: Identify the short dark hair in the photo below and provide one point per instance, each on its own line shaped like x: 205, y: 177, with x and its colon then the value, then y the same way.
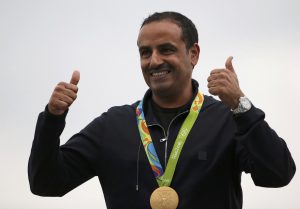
x: 189, y: 30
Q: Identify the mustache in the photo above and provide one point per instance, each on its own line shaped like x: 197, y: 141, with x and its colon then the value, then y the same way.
x: 161, y: 67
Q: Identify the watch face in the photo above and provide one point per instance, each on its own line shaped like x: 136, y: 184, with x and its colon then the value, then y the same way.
x: 246, y: 104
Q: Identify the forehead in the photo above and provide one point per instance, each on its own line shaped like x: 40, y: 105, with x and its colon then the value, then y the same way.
x: 159, y: 32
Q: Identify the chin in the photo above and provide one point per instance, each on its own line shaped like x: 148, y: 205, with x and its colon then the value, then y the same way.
x: 161, y: 89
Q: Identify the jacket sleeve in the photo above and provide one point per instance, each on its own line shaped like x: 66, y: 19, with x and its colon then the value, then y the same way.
x: 54, y: 170
x: 261, y: 152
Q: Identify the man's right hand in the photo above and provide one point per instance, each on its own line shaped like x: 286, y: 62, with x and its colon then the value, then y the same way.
x: 64, y: 95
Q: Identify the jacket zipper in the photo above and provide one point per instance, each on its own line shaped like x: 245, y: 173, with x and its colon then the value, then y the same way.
x: 167, y: 135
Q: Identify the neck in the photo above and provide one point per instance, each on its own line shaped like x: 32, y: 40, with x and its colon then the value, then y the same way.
x: 175, y: 100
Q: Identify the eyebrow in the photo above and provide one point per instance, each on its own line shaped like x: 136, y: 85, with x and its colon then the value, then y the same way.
x: 167, y: 44
x: 141, y: 48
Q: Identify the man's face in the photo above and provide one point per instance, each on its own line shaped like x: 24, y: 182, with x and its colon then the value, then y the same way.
x: 166, y: 63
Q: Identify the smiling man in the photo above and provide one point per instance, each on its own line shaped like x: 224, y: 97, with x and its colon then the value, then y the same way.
x: 167, y: 62
x: 175, y: 148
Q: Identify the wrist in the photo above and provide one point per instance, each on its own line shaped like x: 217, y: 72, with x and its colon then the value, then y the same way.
x: 54, y: 114
x: 236, y: 100
x: 54, y: 111
x: 243, y: 106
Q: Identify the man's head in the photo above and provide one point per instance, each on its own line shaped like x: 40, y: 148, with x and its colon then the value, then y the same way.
x: 168, y: 46
x: 188, y: 29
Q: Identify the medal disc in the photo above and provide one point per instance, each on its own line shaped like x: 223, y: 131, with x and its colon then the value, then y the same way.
x: 164, y: 198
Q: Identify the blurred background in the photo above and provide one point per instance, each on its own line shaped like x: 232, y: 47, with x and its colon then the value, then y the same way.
x: 42, y: 42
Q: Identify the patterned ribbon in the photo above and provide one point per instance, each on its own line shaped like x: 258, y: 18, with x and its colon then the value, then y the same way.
x: 164, y: 179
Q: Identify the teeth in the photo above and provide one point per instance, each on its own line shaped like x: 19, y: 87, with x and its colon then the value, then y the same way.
x: 160, y: 73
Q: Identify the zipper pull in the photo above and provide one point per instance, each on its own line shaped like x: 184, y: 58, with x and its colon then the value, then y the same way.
x: 163, y: 140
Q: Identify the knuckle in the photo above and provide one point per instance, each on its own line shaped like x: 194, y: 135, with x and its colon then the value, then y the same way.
x: 212, y: 77
x: 223, y: 75
x: 55, y: 94
x: 61, y: 84
x: 69, y: 86
x: 75, y: 89
x: 213, y: 72
x: 70, y: 100
x: 59, y: 87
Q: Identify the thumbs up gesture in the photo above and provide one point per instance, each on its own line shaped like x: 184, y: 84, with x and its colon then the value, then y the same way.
x: 224, y: 84
x: 64, y: 95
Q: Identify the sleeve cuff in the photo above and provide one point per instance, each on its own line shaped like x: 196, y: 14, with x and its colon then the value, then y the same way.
x: 52, y: 117
x: 246, y: 120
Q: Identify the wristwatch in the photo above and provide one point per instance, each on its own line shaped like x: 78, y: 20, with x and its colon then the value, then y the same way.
x: 243, y: 106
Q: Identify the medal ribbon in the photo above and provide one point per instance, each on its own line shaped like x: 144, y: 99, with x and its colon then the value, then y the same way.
x: 165, y: 178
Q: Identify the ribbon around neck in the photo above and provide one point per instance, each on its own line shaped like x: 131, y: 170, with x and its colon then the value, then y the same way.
x: 165, y: 178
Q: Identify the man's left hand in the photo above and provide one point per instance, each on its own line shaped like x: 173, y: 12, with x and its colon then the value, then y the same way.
x: 224, y: 84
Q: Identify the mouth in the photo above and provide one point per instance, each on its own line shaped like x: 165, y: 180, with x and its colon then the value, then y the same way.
x: 160, y: 73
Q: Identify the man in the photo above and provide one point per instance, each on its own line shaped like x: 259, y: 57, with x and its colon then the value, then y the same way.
x: 194, y: 147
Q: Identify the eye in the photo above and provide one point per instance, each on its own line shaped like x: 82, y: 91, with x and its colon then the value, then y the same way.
x: 145, y: 53
x: 167, y: 50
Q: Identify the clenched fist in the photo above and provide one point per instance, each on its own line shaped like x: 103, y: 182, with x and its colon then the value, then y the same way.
x: 224, y: 84
x: 64, y: 95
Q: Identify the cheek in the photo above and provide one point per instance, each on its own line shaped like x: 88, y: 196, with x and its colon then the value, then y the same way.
x: 144, y: 72
x: 144, y: 65
x: 145, y: 75
x: 188, y: 64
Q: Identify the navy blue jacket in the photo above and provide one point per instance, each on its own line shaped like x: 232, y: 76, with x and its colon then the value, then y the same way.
x: 218, y: 149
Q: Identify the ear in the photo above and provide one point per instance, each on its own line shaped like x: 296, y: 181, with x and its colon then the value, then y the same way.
x: 194, y: 54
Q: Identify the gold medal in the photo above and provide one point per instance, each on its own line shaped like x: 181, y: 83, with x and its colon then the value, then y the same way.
x: 164, y: 198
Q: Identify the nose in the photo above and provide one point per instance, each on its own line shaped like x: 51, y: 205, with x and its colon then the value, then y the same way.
x: 155, y: 60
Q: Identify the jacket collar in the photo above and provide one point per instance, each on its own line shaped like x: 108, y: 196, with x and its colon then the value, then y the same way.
x: 148, y: 109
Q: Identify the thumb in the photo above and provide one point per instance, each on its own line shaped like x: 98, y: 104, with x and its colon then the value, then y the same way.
x: 75, y: 77
x: 228, y: 64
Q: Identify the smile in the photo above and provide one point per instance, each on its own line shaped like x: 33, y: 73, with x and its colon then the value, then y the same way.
x: 161, y: 73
